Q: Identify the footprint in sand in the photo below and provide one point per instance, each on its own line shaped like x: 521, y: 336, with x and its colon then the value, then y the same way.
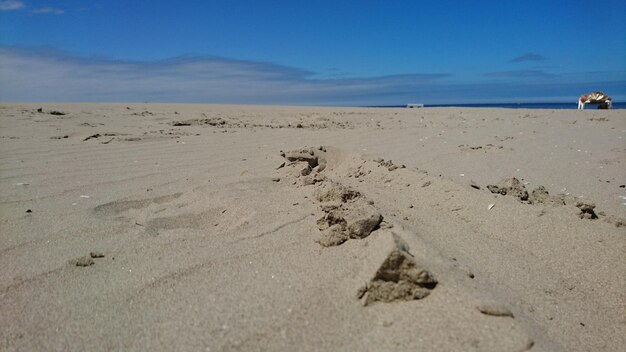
x: 202, y: 220
x: 120, y: 206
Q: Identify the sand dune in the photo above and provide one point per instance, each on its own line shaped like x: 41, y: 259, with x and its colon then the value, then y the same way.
x: 209, y: 227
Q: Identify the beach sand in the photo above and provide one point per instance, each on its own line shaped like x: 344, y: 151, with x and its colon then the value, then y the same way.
x: 245, y: 228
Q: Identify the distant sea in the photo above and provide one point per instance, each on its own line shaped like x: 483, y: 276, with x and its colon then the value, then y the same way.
x: 511, y: 106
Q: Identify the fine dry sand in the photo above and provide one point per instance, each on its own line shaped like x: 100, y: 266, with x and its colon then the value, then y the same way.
x: 244, y: 228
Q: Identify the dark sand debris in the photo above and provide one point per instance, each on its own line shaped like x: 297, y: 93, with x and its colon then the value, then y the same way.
x: 510, y: 186
x: 96, y: 254
x: 586, y: 210
x: 84, y: 261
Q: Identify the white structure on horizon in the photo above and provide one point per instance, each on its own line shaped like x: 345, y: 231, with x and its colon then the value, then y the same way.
x: 411, y: 106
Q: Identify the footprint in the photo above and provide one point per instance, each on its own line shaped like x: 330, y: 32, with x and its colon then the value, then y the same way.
x: 119, y: 206
x: 202, y: 220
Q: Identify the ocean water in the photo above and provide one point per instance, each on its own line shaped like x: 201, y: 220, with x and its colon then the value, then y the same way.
x: 616, y: 105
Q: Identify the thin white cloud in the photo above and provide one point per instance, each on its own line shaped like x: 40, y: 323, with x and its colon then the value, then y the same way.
x: 534, y: 73
x: 10, y: 5
x: 44, y: 75
x: 48, y: 75
x: 48, y: 10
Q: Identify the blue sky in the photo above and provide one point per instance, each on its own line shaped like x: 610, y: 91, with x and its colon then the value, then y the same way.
x: 311, y: 52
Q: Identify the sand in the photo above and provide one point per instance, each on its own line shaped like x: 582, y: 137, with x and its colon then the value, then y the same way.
x: 244, y: 228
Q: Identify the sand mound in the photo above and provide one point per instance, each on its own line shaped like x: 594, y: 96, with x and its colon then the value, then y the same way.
x: 398, y: 276
x: 304, y: 166
x: 541, y: 196
x: 306, y: 155
x: 346, y: 215
x: 335, y: 193
x: 349, y: 220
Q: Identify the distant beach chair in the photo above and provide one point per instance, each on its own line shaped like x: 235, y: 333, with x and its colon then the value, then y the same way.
x: 604, y: 101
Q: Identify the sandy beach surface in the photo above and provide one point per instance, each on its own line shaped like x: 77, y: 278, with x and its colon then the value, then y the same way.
x: 260, y: 228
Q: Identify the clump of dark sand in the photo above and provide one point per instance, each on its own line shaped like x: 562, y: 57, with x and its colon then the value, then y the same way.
x: 510, y: 186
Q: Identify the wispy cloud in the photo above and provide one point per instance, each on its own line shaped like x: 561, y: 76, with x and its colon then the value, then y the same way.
x: 48, y: 10
x: 528, y: 57
x: 52, y: 75
x: 9, y: 5
x: 520, y: 74
x: 49, y: 75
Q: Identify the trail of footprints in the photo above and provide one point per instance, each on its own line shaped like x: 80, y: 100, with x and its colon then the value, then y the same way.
x: 346, y: 214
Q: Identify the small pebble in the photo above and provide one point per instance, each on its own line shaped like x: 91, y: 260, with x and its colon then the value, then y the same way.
x: 29, y: 211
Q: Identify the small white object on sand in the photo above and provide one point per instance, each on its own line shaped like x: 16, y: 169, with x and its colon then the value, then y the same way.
x: 490, y: 206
